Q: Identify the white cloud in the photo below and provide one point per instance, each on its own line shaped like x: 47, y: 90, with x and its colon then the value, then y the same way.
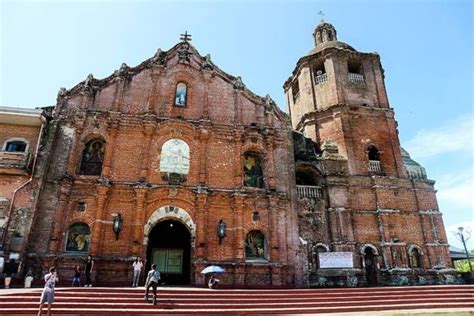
x: 456, y: 190
x: 456, y: 135
x: 451, y: 231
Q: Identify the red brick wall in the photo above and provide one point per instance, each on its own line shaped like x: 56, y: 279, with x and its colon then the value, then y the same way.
x: 217, y: 126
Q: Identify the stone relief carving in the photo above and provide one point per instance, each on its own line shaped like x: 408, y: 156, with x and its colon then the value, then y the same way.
x: 160, y: 57
x: 175, y: 157
x: 62, y: 92
x: 322, y: 281
x: 87, y: 85
x: 352, y: 281
x: 207, y: 64
x: 330, y: 150
x: 184, y: 55
x: 123, y: 72
x: 238, y: 84
x: 268, y: 103
x: 421, y: 280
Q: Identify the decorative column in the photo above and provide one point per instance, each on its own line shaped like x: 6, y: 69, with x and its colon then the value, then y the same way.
x: 273, y: 229
x: 118, y: 97
x: 207, y: 79
x: 148, y: 133
x: 109, y: 150
x: 98, y: 226
x: 138, y: 221
x: 74, y: 160
x: 270, y: 164
x: 238, y: 169
x: 204, y: 136
x: 60, y: 218
x: 201, y: 235
x: 239, y: 229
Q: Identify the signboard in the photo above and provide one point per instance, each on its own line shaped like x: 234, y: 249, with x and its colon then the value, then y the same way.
x: 335, y: 260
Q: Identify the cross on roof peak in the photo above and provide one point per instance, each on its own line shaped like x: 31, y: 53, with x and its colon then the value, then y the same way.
x: 185, y: 37
x: 321, y: 14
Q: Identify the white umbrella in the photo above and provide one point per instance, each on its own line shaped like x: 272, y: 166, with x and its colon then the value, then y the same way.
x: 213, y: 269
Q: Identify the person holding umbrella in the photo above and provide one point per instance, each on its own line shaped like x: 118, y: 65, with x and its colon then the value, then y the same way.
x: 213, y: 281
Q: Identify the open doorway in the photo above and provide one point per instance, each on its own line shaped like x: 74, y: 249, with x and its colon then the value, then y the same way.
x: 169, y: 247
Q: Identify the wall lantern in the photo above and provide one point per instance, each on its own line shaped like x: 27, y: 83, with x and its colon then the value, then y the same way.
x: 221, y: 228
x: 117, y: 225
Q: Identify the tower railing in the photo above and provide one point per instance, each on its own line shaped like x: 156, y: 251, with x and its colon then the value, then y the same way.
x: 309, y: 191
x: 356, y: 78
x: 320, y: 78
x: 374, y: 166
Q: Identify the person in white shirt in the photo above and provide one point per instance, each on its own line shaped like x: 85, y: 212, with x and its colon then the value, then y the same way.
x: 47, y: 296
x: 137, y: 269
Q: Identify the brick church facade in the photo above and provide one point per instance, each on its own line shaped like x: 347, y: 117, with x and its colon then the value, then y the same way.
x: 177, y: 162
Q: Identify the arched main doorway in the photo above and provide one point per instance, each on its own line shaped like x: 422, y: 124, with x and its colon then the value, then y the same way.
x: 169, y: 246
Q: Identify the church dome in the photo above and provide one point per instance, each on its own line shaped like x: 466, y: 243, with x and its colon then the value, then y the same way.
x: 325, y: 36
x: 413, y: 168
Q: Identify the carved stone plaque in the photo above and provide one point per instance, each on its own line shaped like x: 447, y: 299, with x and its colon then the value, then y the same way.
x: 335, y: 260
x: 175, y: 157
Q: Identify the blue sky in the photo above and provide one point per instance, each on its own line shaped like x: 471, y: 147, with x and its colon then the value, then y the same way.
x: 425, y: 46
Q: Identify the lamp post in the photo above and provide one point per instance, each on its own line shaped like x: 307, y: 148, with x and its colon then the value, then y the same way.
x: 221, y: 228
x: 117, y: 225
x: 460, y: 236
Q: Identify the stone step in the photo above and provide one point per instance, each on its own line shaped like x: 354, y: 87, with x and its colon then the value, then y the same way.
x: 234, y: 305
x: 108, y: 301
x: 241, y: 311
x: 223, y: 299
x: 283, y: 291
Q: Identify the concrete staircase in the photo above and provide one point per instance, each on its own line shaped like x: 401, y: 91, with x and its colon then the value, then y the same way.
x: 115, y: 301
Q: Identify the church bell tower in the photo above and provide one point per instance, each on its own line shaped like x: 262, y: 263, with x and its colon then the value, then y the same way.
x: 337, y: 93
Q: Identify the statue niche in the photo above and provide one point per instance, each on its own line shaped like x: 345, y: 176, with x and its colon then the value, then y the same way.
x: 78, y: 238
x: 92, y: 158
x: 253, y: 172
x: 255, y: 246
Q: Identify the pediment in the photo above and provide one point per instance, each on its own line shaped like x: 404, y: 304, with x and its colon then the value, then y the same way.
x: 182, y: 57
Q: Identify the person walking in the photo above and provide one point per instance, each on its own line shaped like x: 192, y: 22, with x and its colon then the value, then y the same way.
x: 47, y: 296
x: 152, y: 280
x: 137, y: 269
x: 88, y: 270
x: 76, y: 280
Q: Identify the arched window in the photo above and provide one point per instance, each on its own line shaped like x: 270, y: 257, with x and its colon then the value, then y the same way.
x: 253, y: 171
x: 255, y: 246
x: 181, y: 94
x: 78, y: 238
x: 92, y: 158
x: 415, y: 258
x: 374, y: 153
x: 307, y: 175
x: 374, y: 160
x: 14, y: 145
x: 175, y: 157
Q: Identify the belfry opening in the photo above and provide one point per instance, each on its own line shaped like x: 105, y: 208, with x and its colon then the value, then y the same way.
x: 169, y: 247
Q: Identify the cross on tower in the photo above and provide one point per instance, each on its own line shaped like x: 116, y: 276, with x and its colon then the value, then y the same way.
x: 321, y: 14
x: 186, y: 37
